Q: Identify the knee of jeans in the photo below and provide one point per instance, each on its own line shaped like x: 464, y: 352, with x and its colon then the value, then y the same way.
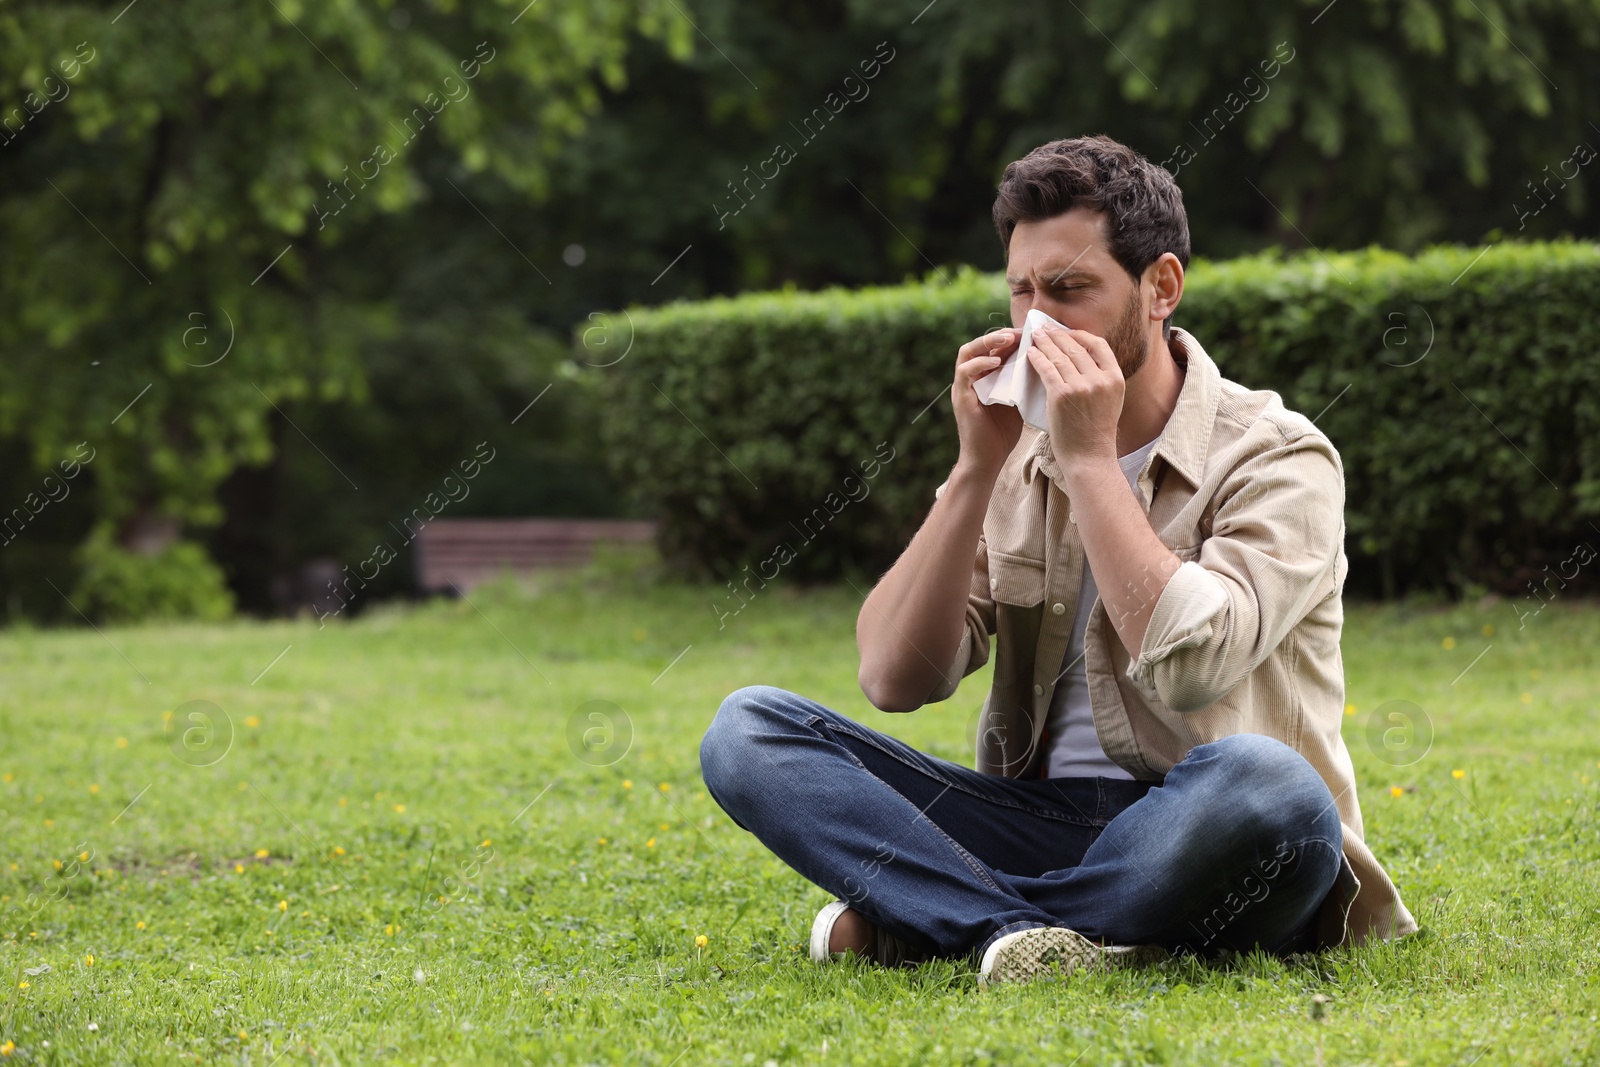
x: 1284, y: 797
x: 731, y: 737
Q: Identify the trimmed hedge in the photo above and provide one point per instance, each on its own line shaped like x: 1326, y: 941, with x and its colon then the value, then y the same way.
x: 1459, y: 386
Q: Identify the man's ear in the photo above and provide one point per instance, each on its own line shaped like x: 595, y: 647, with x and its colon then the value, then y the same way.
x: 1166, y: 279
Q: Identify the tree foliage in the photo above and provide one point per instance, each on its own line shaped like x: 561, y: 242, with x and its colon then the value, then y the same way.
x: 179, y: 180
x: 355, y: 199
x: 1396, y: 123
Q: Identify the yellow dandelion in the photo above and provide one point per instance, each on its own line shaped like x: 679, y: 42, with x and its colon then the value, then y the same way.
x: 602, y: 840
x: 262, y: 853
x: 22, y: 985
x: 337, y: 851
x: 283, y: 905
x: 243, y: 1036
x: 1349, y: 709
x: 269, y: 933
x: 400, y: 808
x: 88, y: 961
x: 664, y: 786
x: 390, y: 929
x: 650, y: 843
x: 84, y: 856
x: 486, y: 843
x: 700, y: 941
x: 139, y: 925
x: 8, y: 1048
x: 1527, y: 698
x: 1448, y: 643
x: 122, y: 742
x: 627, y: 783
x: 343, y: 801
x: 1488, y: 629
x: 1395, y: 791
x: 664, y: 826
x: 1458, y: 773
x: 9, y: 776
x: 252, y: 721
x: 58, y: 863
x: 50, y: 822
x: 94, y: 789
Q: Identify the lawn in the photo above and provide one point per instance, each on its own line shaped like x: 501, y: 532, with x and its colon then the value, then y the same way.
x: 406, y: 838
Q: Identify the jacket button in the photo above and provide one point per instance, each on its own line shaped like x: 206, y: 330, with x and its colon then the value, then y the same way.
x: 1058, y: 609
x: 994, y: 583
x: 1038, y: 690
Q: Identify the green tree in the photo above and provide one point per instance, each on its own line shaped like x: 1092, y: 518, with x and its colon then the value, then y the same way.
x: 176, y: 180
x: 1398, y: 123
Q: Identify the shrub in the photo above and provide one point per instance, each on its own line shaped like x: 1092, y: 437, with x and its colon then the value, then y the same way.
x: 180, y: 581
x: 1459, y: 387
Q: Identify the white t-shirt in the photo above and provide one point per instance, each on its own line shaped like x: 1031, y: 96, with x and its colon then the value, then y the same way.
x: 1075, y: 750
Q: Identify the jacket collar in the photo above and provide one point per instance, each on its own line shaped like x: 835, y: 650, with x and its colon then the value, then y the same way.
x: 1186, y: 438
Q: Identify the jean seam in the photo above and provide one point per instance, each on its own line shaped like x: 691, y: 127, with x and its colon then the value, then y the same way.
x: 1004, y: 802
x: 966, y: 857
x: 1097, y: 821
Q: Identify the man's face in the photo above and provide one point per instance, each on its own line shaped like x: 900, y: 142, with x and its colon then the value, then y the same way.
x: 1062, y: 266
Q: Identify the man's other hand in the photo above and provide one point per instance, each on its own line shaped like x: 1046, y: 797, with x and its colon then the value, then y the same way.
x: 988, y: 432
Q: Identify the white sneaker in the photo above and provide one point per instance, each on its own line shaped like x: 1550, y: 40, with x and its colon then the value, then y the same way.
x: 1057, y: 951
x: 822, y: 930
x: 886, y: 949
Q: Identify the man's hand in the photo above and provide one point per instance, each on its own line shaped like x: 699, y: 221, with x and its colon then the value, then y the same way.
x: 1085, y: 388
x: 988, y: 432
x: 912, y: 623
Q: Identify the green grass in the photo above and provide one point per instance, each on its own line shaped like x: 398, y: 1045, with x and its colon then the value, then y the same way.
x: 323, y: 892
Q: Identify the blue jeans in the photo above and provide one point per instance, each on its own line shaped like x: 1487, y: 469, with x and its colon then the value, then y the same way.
x: 1235, y: 848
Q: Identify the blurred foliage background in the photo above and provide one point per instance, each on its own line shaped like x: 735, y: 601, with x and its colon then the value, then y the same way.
x: 391, y: 217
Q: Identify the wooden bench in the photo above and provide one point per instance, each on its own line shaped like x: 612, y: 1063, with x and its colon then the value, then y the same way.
x: 468, y: 552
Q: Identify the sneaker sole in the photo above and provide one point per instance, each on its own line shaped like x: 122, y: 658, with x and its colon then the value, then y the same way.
x: 1056, y: 951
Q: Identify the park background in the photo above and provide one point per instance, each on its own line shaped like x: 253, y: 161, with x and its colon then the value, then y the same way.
x: 274, y: 272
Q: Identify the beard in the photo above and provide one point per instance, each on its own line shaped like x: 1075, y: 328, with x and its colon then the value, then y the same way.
x: 1127, y: 338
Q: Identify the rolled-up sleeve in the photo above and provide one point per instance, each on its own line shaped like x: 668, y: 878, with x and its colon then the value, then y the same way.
x: 973, y: 651
x: 1275, y: 540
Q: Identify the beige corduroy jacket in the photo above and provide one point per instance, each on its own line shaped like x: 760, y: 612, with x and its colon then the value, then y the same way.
x: 1244, y: 637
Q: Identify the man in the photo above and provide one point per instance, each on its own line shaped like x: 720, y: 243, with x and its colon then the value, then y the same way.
x: 1160, y: 767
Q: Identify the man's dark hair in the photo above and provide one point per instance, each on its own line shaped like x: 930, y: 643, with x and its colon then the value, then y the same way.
x: 1142, y: 205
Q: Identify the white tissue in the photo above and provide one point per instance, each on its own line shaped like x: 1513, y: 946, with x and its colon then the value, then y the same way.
x: 1016, y: 383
